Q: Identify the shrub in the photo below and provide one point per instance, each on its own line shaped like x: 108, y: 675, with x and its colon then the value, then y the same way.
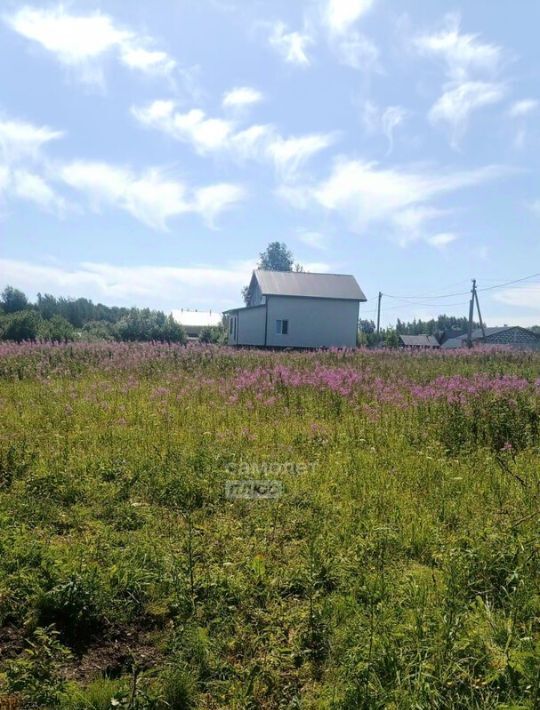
x: 35, y: 674
x: 23, y: 325
x: 179, y: 689
x: 72, y: 608
x: 56, y: 329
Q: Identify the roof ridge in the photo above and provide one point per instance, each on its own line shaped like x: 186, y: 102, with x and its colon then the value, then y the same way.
x: 308, y: 273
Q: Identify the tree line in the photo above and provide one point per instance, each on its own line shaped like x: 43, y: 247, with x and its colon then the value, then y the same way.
x: 64, y: 319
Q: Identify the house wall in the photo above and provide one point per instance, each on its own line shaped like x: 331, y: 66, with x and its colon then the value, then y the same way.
x: 256, y: 296
x: 250, y: 325
x: 313, y: 322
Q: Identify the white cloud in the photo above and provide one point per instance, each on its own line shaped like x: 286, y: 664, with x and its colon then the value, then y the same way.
x: 19, y: 139
x: 458, y: 101
x: 317, y: 267
x: 462, y: 53
x: 527, y: 296
x: 316, y: 240
x: 471, y: 67
x: 211, y: 201
x: 534, y: 206
x: 340, y: 15
x: 441, y: 240
x: 523, y: 108
x: 351, y: 47
x: 411, y: 223
x: 392, y: 117
x: 400, y: 198
x: 20, y: 149
x: 205, y: 134
x: 334, y: 20
x: 4, y: 178
x: 128, y: 285
x: 212, y: 135
x: 289, y: 154
x: 356, y: 50
x: 147, y: 60
x: 29, y: 186
x: 81, y: 40
x: 291, y: 46
x: 149, y: 197
x: 241, y: 96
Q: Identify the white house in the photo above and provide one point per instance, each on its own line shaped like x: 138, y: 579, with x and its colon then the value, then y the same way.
x: 195, y: 321
x: 297, y: 310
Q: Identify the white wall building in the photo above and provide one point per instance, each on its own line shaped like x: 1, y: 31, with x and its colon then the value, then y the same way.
x: 297, y: 310
x: 195, y: 321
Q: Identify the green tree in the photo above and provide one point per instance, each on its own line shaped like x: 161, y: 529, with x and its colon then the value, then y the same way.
x: 98, y: 330
x: 13, y: 300
x: 391, y: 338
x: 57, y: 329
x: 47, y: 305
x: 23, y: 325
x: 276, y: 257
x: 173, y: 332
x: 142, y: 324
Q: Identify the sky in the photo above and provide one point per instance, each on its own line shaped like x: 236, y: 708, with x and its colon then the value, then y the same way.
x: 150, y: 151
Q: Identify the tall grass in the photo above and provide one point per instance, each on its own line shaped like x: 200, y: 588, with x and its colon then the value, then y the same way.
x: 398, y: 569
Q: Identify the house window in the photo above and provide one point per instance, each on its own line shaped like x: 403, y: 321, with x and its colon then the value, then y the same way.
x: 231, y: 319
x: 282, y: 327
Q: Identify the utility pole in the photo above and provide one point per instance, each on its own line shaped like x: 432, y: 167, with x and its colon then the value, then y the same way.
x: 471, y: 314
x: 379, y: 316
x: 479, y: 314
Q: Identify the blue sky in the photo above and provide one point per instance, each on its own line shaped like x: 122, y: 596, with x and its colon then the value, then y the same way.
x: 150, y: 151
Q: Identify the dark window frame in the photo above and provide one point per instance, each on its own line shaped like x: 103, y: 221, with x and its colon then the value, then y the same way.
x: 282, y: 326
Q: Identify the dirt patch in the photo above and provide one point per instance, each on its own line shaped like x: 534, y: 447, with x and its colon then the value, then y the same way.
x: 116, y: 655
x: 11, y: 642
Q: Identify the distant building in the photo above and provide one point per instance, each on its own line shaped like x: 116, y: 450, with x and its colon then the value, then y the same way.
x: 297, y: 310
x: 194, y: 322
x: 419, y: 341
x: 512, y: 335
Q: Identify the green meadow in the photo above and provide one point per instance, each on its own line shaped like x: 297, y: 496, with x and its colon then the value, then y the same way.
x: 207, y: 528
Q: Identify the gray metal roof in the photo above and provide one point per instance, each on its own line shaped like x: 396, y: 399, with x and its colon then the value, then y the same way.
x: 302, y: 283
x: 420, y: 341
x: 477, y: 333
x: 461, y: 340
x: 452, y: 343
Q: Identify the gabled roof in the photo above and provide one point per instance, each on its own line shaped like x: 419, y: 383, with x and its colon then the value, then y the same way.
x: 302, y: 283
x: 477, y: 333
x: 461, y: 340
x: 420, y: 341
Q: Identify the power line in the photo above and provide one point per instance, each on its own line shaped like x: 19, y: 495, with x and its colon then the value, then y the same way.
x: 509, y: 283
x: 401, y: 306
x: 446, y: 295
x: 412, y: 301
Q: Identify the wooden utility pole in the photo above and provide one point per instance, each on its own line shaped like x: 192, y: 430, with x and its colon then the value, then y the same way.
x: 471, y: 313
x: 479, y: 314
x: 379, y: 316
x: 474, y: 300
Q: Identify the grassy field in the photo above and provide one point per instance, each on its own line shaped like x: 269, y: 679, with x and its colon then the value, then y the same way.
x: 396, y: 564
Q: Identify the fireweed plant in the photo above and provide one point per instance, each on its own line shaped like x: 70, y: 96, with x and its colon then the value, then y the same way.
x: 398, y: 567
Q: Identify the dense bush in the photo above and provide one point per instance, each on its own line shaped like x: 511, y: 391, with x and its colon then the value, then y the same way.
x: 20, y: 326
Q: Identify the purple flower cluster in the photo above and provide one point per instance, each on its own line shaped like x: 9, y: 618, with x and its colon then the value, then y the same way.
x: 351, y: 383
